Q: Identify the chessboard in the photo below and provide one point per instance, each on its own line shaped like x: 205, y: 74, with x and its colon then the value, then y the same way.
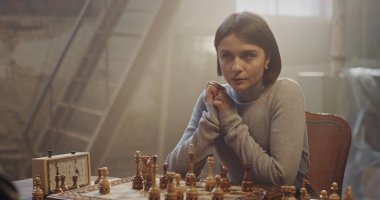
x: 121, y: 188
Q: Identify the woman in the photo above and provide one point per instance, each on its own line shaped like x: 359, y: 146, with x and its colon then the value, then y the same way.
x: 256, y: 118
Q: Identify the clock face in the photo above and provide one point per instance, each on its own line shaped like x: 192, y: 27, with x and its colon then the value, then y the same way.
x: 69, y: 167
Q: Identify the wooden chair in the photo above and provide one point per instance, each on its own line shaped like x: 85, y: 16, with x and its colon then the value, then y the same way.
x: 329, y: 138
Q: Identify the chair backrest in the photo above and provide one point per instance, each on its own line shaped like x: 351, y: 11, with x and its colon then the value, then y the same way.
x: 329, y: 138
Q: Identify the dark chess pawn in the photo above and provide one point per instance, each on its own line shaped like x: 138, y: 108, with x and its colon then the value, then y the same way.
x: 63, y: 185
x: 180, y: 190
x: 217, y: 192
x: 99, y: 176
x: 247, y: 185
x: 225, y: 183
x: 38, y: 193
x: 164, y: 177
x: 334, y: 192
x: 137, y: 182
x: 75, y: 181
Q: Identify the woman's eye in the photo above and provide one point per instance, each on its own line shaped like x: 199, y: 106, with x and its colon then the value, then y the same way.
x: 226, y: 56
x: 249, y: 56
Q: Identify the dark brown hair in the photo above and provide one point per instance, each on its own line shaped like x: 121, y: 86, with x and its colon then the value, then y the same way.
x: 253, y: 29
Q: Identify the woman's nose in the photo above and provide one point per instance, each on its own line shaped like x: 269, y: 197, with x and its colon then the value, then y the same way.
x: 237, y: 65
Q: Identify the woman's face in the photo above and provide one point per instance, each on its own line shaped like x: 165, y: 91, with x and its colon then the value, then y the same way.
x: 242, y: 64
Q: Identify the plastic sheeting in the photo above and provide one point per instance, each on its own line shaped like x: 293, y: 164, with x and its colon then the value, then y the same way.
x: 362, y: 111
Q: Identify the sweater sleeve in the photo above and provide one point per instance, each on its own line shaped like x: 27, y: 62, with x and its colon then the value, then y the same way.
x: 201, y: 131
x: 280, y: 165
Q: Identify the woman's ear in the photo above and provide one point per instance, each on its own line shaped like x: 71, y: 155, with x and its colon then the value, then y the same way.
x: 267, y: 61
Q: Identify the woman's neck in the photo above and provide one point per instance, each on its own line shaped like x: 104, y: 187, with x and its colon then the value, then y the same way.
x: 251, y: 93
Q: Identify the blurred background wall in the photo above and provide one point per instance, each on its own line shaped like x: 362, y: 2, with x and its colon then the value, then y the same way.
x: 134, y: 69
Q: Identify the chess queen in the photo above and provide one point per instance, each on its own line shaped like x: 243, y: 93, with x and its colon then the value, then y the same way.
x: 255, y: 118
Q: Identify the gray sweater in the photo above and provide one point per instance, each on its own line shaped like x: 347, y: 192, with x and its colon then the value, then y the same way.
x: 269, y: 133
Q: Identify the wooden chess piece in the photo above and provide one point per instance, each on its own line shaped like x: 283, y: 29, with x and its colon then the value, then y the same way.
x: 292, y: 192
x: 304, y: 193
x: 171, y: 191
x: 137, y: 181
x: 247, y: 184
x: 38, y: 193
x: 225, y: 182
x: 191, y: 165
x: 210, y: 180
x: 99, y: 170
x: 63, y: 185
x: 192, y: 193
x: 57, y: 180
x: 144, y: 171
x: 348, y: 194
x: 154, y: 191
x: 104, y: 184
x: 323, y: 195
x: 217, y: 192
x: 148, y: 181
x: 75, y: 181
x: 334, y: 194
x: 285, y: 192
x: 164, y: 177
x: 180, y: 190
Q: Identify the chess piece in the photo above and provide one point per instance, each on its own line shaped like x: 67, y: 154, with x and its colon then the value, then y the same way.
x: 192, y: 193
x: 180, y: 190
x: 57, y: 180
x: 323, y: 195
x: 210, y: 180
x: 75, y: 181
x: 148, y: 181
x: 144, y: 171
x: 225, y: 183
x: 99, y: 170
x: 104, y: 184
x: 154, y: 166
x: 154, y: 191
x: 304, y: 193
x: 247, y: 185
x: 334, y: 192
x: 164, y: 177
x: 63, y: 185
x: 171, y: 191
x: 191, y: 165
x: 348, y: 194
x: 285, y: 192
x: 38, y: 193
x: 137, y: 181
x: 217, y: 192
x: 292, y: 192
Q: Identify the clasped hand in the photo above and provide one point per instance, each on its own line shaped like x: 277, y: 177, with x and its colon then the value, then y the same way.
x: 216, y: 95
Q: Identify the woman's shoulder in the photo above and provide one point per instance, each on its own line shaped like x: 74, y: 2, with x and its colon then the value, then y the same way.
x: 286, y: 85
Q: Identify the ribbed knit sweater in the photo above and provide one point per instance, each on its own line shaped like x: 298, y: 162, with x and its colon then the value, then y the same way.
x: 268, y: 132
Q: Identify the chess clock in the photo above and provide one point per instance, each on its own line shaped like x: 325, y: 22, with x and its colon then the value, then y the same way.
x: 65, y: 164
